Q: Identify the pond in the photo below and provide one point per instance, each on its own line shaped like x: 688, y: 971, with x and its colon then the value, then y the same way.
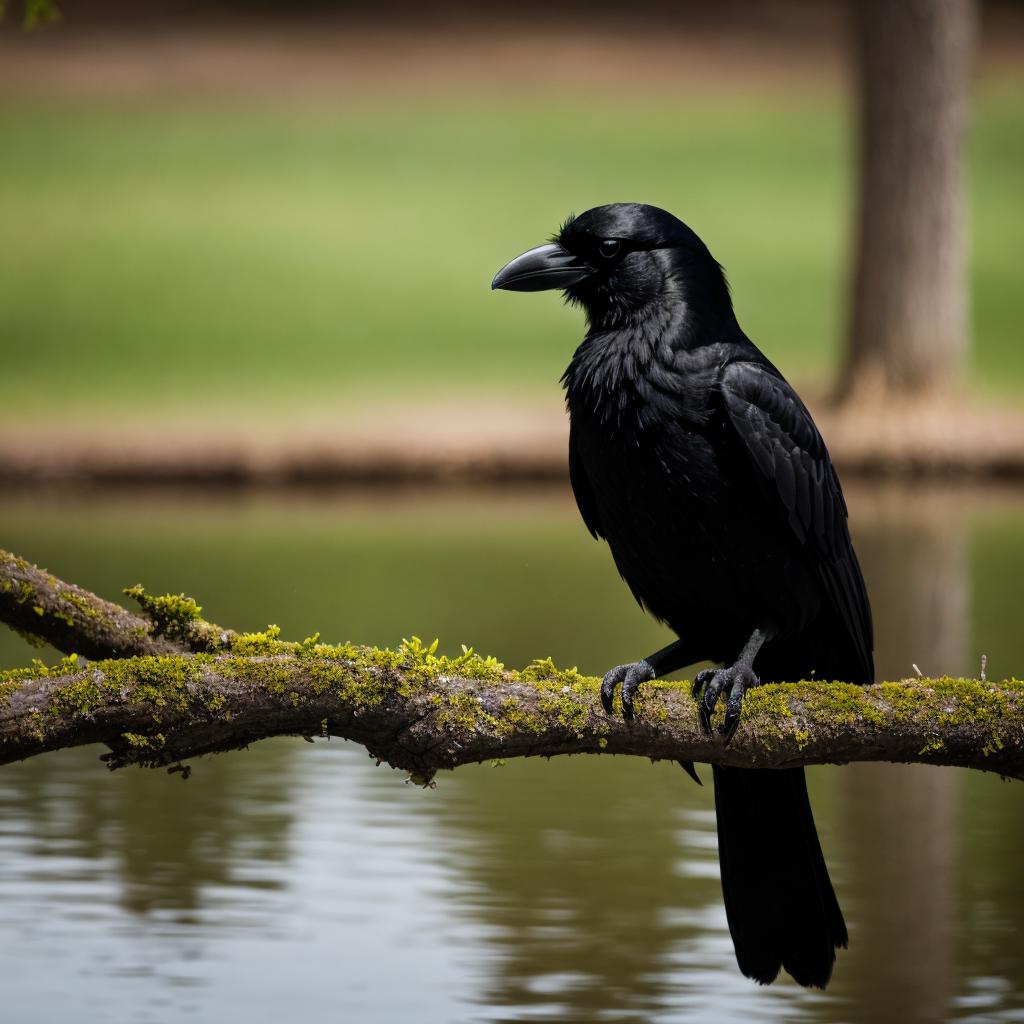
x: 298, y: 881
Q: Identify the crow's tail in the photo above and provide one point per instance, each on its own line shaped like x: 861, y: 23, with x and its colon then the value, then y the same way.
x: 779, y: 900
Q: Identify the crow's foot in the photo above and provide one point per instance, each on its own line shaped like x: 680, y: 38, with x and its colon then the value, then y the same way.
x: 631, y: 676
x: 733, y: 681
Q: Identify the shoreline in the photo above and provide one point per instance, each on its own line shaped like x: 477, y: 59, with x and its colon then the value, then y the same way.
x: 496, y: 444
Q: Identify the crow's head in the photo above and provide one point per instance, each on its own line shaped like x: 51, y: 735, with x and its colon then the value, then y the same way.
x: 620, y: 257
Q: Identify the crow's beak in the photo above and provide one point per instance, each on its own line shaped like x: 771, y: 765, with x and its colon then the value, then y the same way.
x: 547, y: 266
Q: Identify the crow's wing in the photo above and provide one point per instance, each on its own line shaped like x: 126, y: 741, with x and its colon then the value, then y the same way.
x: 793, y: 466
x: 582, y: 490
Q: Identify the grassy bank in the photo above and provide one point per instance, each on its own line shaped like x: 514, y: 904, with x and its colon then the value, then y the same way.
x: 161, y: 257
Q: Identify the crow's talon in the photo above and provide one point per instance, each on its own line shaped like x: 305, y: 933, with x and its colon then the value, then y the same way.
x: 737, y: 688
x: 612, y: 678
x: 710, y: 683
x: 631, y: 676
x: 700, y: 680
x: 639, y: 673
x: 734, y: 681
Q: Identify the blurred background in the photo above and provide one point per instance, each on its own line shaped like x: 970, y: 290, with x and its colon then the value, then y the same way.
x: 248, y: 351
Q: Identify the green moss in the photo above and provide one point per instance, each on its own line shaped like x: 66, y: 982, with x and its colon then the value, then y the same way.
x: 361, y: 676
x: 22, y: 589
x: 466, y: 712
x: 80, y: 604
x: 844, y: 703
x: 425, y: 662
x: 934, y: 705
x: 417, y: 653
x: 62, y: 603
x: 567, y: 709
x: 564, y: 695
x: 8, y: 686
x: 365, y: 677
x: 8, y: 558
x: 768, y: 702
x: 36, y: 729
x: 512, y: 717
x: 141, y: 742
x: 13, y: 677
x: 994, y: 744
x: 274, y: 676
x: 162, y: 681
x: 776, y: 711
x: 81, y: 696
x: 171, y: 614
x: 767, y: 714
x: 903, y: 699
x: 545, y: 670
x: 952, y: 703
x: 268, y: 642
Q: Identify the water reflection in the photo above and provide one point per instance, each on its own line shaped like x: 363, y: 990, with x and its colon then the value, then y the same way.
x: 916, y: 554
x: 582, y: 890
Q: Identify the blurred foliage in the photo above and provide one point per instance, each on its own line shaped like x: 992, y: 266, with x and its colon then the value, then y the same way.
x: 231, y: 257
x: 35, y: 13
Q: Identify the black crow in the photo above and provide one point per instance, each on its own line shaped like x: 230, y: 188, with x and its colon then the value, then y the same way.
x: 691, y: 455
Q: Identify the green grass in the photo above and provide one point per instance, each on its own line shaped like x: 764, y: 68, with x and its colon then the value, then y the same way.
x: 226, y: 257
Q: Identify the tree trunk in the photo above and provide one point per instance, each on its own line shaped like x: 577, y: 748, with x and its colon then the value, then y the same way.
x: 908, y: 325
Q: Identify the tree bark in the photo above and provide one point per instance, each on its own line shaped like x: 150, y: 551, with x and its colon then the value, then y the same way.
x: 908, y: 324
x: 40, y: 606
x: 421, y: 712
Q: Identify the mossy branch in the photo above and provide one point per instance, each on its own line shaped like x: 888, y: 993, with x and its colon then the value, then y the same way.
x: 45, y: 609
x: 421, y: 711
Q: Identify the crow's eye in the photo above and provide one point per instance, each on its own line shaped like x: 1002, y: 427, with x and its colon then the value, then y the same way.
x: 609, y: 248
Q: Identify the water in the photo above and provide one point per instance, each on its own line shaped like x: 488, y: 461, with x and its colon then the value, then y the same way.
x: 304, y: 881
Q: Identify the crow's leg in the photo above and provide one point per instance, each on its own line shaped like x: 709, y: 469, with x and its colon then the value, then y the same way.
x: 668, y: 659
x: 733, y: 681
x: 631, y: 676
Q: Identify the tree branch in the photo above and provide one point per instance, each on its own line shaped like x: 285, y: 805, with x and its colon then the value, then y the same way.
x: 420, y: 711
x: 45, y: 609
